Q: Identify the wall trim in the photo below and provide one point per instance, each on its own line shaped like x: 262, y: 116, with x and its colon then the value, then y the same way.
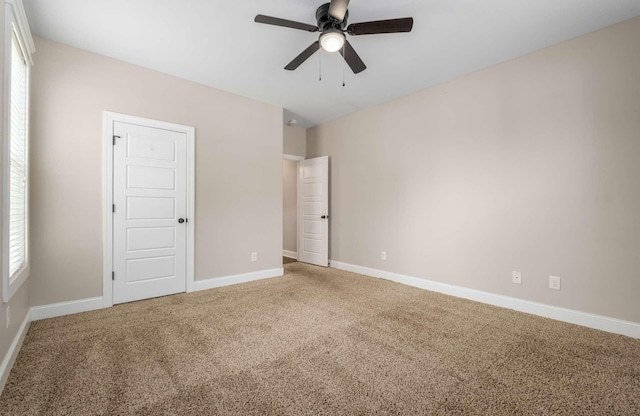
x: 603, y: 323
x: 292, y: 157
x: 14, y: 349
x: 66, y: 308
x: 290, y: 254
x: 237, y: 278
x: 23, y: 27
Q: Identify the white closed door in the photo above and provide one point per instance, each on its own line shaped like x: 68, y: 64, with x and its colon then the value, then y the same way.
x: 150, y: 207
x: 313, y: 203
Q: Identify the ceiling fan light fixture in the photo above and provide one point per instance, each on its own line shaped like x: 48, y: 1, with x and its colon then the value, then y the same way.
x: 332, y: 40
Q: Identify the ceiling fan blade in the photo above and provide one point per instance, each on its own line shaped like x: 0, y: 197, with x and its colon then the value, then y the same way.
x: 381, y: 26
x: 338, y: 9
x: 285, y: 23
x: 353, y: 60
x: 306, y: 54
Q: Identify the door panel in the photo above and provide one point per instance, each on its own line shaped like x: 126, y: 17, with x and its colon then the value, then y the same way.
x: 151, y: 268
x: 146, y: 177
x: 150, y: 238
x: 149, y: 146
x: 313, y: 189
x: 312, y: 227
x: 150, y: 208
x: 313, y: 246
x: 312, y: 208
x: 150, y: 195
x: 313, y: 230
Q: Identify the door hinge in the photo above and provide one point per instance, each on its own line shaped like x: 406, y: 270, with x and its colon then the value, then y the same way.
x: 114, y: 139
x: 113, y: 275
x: 113, y: 208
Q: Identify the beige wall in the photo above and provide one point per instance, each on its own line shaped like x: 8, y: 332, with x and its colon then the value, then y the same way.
x: 295, y: 141
x: 530, y: 165
x: 19, y: 303
x: 290, y: 205
x: 238, y: 168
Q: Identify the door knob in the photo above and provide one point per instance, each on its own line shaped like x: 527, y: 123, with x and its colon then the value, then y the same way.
x: 180, y: 220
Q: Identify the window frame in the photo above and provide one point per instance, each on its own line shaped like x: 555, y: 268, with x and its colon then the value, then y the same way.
x: 15, y: 22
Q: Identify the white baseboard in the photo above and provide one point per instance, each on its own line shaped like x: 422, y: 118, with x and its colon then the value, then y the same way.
x: 238, y: 278
x: 65, y: 308
x: 85, y: 305
x: 12, y: 353
x: 603, y: 323
x: 290, y: 254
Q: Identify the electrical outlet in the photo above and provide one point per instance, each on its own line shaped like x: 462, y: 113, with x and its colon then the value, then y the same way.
x: 254, y: 256
x: 516, y: 277
x: 383, y: 255
x: 554, y: 282
x: 8, y: 312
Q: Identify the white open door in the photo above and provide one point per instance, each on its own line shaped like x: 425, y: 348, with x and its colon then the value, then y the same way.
x: 150, y: 212
x: 313, y: 205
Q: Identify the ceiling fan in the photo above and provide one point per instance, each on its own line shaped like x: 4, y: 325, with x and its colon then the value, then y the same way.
x: 332, y: 25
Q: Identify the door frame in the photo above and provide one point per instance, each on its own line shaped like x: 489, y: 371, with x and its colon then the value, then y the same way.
x: 296, y: 159
x: 107, y: 196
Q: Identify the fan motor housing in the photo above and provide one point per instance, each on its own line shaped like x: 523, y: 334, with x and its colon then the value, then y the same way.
x: 326, y: 22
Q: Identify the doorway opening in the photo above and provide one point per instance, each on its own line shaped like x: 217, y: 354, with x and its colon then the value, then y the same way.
x: 290, y: 208
x: 306, y: 210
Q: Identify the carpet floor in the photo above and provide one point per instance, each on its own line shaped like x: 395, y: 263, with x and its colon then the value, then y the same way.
x: 319, y: 342
x: 287, y: 260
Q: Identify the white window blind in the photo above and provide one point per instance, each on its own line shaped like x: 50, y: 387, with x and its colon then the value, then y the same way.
x: 18, y: 129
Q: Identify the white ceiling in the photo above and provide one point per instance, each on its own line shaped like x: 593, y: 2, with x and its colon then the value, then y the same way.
x: 216, y: 43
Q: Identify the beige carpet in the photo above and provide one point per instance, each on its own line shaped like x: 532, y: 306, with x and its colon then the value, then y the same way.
x: 287, y: 260
x: 319, y: 342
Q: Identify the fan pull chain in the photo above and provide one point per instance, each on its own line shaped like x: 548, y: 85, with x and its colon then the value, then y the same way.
x: 320, y: 66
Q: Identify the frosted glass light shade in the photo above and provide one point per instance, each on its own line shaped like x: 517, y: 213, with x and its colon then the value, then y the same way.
x: 332, y: 41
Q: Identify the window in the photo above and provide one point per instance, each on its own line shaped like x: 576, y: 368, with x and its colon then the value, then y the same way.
x: 18, y: 161
x: 16, y: 149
